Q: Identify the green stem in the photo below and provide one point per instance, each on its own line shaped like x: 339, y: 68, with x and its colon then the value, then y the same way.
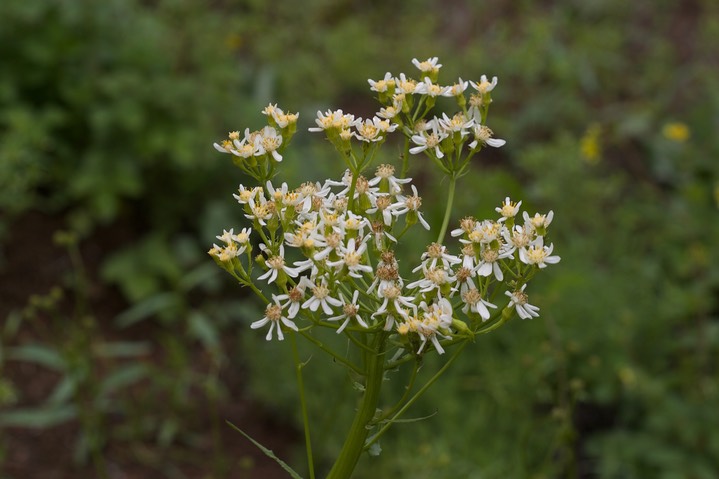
x: 303, y: 405
x: 407, y: 392
x: 351, y: 194
x: 336, y: 356
x: 419, y: 394
x: 405, y: 158
x: 448, y: 210
x: 355, y: 441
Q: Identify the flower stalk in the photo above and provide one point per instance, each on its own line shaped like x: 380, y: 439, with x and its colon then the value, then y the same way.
x: 327, y: 254
x: 354, y: 443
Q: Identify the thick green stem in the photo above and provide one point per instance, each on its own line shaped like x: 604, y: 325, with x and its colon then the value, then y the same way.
x: 448, y: 210
x: 419, y: 394
x: 355, y: 441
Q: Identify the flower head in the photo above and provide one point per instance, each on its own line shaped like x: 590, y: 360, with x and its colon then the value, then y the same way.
x: 430, y: 65
x: 274, y: 316
x: 519, y: 300
x: 350, y: 310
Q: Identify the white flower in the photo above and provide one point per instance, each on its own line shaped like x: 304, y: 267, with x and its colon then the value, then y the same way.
x: 441, y: 311
x: 426, y: 87
x: 226, y: 253
x: 508, y: 209
x: 430, y: 65
x: 407, y: 204
x: 392, y: 295
x: 457, y: 89
x: 273, y: 315
x: 490, y: 263
x: 519, y: 299
x: 537, y: 253
x: 349, y: 310
x: 353, y: 222
x: 381, y: 86
x: 276, y: 264
x: 329, y: 243
x: 382, y: 203
x: 320, y: 296
x: 227, y: 236
x: 429, y: 140
x: 436, y: 253
x: 484, y: 86
x: 333, y: 119
x: 469, y: 258
x: 261, y: 211
x: 379, y: 232
x: 465, y: 280
x: 351, y: 257
x: 474, y: 302
x: 434, y: 278
x: 246, y: 195
x: 231, y: 240
x: 435, y: 318
x: 280, y: 117
x: 520, y: 237
x: 458, y: 123
x: 223, y: 147
x: 268, y: 141
x: 385, y: 174
x: 277, y: 194
x: 466, y: 225
x: 372, y: 128
x: 293, y: 298
x: 483, y: 136
x: 405, y: 85
x: 538, y: 222
x: 389, y: 112
x: 485, y: 232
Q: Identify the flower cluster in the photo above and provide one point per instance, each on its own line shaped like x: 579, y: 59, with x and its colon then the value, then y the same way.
x: 257, y: 152
x: 331, y: 250
x: 333, y: 276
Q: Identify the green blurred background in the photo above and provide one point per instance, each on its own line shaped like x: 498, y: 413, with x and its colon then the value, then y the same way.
x: 123, y: 349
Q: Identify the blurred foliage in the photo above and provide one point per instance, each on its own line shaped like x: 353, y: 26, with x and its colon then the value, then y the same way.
x: 611, y: 109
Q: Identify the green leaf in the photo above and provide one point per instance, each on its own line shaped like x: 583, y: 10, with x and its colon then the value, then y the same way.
x: 39, y: 418
x: 200, y: 275
x: 146, y: 308
x: 122, y: 349
x: 123, y: 377
x: 202, y: 328
x: 36, y: 353
x: 267, y: 452
x: 168, y: 431
x: 63, y: 391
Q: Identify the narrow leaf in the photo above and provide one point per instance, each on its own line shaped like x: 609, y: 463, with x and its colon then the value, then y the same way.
x: 267, y: 452
x: 146, y: 308
x: 63, y: 391
x: 36, y: 353
x: 122, y: 349
x: 39, y: 418
x: 122, y: 378
x: 414, y: 419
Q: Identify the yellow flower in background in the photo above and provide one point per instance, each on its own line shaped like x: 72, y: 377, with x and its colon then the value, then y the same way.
x: 676, y: 131
x: 716, y: 194
x: 233, y: 41
x: 589, y: 144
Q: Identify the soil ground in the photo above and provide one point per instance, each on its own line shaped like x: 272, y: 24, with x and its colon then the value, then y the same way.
x: 32, y: 264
